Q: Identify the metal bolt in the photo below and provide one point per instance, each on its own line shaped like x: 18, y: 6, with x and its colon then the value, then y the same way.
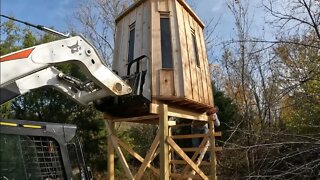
x: 88, y: 52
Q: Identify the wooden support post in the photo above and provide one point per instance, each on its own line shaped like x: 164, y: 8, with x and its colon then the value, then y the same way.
x: 213, y: 159
x: 122, y: 159
x: 171, y: 119
x: 164, y: 147
x: 110, y: 155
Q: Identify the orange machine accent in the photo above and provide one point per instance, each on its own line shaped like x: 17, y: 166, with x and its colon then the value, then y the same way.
x: 18, y: 55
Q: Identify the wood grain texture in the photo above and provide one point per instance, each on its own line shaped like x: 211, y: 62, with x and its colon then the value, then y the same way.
x: 123, y: 48
x: 184, y: 57
x: 110, y: 155
x: 166, y: 82
x: 164, y: 147
x: 207, y: 71
x: 192, y: 65
x: 203, y: 67
x: 176, y: 50
x: 183, y: 155
x: 163, y: 5
x: 155, y: 47
x: 198, y: 69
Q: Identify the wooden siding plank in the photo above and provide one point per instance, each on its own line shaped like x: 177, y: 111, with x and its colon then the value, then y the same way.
x: 123, y: 48
x: 146, y: 49
x: 208, y: 74
x: 198, y: 69
x: 184, y: 58
x: 194, y: 84
x: 200, y: 74
x: 146, y: 25
x: 156, y: 48
x: 203, y: 68
x: 132, y: 20
x: 177, y: 64
x: 116, y: 55
x: 138, y: 33
x: 166, y: 82
x: 137, y: 19
x: 163, y: 5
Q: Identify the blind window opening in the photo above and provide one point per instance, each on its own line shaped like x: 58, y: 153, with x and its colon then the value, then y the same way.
x: 166, y: 46
x: 195, y: 48
x: 131, y: 43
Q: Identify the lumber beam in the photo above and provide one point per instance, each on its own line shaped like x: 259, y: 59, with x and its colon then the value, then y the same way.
x: 213, y: 158
x: 164, y: 147
x: 137, y: 119
x: 122, y: 159
x: 177, y: 112
x: 110, y: 155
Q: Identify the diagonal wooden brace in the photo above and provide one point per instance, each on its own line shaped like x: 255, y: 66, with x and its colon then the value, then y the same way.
x: 118, y: 151
x: 183, y: 155
x: 149, y: 158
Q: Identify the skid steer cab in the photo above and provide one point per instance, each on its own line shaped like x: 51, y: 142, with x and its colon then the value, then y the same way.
x: 41, y: 150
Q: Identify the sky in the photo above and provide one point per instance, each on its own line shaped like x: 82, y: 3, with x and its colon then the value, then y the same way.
x: 59, y: 13
x: 49, y: 13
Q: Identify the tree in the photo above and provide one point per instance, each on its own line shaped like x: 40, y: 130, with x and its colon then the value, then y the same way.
x: 296, y: 17
x: 46, y: 104
x: 97, y: 21
x: 277, y: 96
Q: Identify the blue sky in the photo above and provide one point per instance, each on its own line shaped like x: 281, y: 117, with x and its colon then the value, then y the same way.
x: 57, y: 13
x: 44, y: 12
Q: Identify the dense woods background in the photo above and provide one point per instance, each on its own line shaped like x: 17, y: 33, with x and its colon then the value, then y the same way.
x: 267, y: 88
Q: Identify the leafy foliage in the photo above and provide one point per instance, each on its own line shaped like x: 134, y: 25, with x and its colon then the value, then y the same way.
x: 48, y: 105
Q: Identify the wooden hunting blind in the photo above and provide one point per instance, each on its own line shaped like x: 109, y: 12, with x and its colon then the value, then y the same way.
x: 160, y: 51
x: 164, y: 40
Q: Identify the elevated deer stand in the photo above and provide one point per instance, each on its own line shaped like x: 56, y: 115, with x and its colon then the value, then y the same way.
x: 160, y: 51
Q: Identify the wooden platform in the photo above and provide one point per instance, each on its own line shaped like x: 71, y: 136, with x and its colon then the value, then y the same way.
x: 184, y: 102
x: 164, y: 145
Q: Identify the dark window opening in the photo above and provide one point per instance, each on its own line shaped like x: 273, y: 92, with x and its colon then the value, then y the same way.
x: 131, y: 43
x: 166, y: 46
x: 195, y: 48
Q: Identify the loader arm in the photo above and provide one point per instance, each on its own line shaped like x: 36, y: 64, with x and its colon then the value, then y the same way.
x: 33, y: 67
